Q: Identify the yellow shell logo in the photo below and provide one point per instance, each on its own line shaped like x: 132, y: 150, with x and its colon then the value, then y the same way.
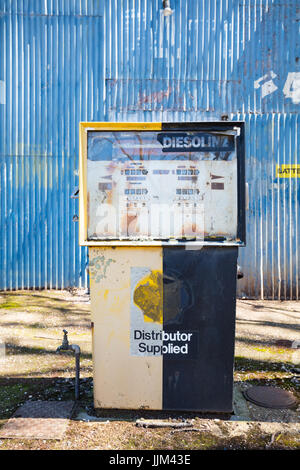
x: 148, y: 296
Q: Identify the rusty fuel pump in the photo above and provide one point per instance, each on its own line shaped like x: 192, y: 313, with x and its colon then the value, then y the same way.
x: 162, y: 212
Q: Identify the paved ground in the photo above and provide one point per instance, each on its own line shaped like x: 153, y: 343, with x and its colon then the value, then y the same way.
x: 264, y: 330
x: 31, y: 326
x: 39, y: 420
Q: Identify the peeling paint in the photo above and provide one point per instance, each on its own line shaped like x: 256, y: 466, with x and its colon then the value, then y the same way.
x: 266, y: 84
x: 148, y: 297
x: 292, y: 87
x: 98, y: 267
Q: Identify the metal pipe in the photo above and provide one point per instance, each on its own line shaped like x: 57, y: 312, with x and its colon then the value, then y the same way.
x: 76, y: 350
x: 65, y: 346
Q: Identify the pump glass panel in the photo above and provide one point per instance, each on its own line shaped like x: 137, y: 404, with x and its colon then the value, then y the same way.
x: 162, y: 185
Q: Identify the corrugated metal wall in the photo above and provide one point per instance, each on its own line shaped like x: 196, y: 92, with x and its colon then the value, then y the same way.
x: 121, y: 60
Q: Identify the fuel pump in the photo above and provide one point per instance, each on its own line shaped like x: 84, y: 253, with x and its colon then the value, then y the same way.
x: 162, y: 211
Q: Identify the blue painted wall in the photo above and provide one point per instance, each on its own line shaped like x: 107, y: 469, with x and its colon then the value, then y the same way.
x: 62, y: 62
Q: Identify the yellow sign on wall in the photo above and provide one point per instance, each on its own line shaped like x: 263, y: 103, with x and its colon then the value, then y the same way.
x: 288, y: 171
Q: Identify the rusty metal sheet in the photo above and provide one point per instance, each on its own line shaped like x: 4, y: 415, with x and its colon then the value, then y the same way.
x: 206, y: 60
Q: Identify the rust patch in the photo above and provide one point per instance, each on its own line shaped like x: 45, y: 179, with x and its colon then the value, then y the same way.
x: 104, y: 186
x: 131, y: 217
x: 217, y: 186
x: 154, y: 97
